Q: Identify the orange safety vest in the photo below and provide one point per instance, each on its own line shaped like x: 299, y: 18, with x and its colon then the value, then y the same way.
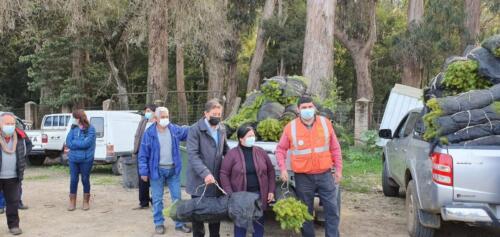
x: 310, y: 148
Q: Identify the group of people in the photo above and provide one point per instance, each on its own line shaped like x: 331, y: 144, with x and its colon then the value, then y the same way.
x: 309, y: 141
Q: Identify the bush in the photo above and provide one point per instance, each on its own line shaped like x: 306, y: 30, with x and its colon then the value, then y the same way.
x: 272, y: 90
x: 291, y: 214
x: 462, y: 76
x: 370, y: 138
x: 246, y: 114
x: 270, y: 130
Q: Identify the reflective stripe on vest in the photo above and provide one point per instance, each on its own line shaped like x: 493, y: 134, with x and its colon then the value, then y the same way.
x: 299, y: 152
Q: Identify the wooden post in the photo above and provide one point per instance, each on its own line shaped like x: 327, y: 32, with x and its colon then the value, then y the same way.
x: 31, y: 114
x: 362, y: 115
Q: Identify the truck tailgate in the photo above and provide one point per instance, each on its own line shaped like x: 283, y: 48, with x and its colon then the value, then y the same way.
x: 476, y: 175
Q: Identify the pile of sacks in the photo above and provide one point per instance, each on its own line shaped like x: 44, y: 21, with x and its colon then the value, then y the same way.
x: 269, y: 109
x: 463, y: 101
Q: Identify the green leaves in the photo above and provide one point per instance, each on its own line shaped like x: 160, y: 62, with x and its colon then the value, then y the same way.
x: 291, y: 214
x: 270, y: 129
x: 461, y: 76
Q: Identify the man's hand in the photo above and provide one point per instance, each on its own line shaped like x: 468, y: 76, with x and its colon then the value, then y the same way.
x: 284, y: 176
x: 270, y: 197
x: 338, y: 177
x: 209, y: 179
x: 144, y: 178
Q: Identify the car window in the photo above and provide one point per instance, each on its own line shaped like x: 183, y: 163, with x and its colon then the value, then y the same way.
x: 62, y: 121
x: 48, y: 121
x: 400, y: 126
x: 98, y: 123
x: 55, y: 121
x: 67, y: 120
x: 410, y: 124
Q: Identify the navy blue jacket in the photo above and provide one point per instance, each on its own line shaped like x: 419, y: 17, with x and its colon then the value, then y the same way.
x: 149, y: 152
x: 81, y: 144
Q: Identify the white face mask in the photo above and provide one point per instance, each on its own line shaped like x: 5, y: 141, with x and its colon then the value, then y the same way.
x: 164, y: 122
x: 249, y: 141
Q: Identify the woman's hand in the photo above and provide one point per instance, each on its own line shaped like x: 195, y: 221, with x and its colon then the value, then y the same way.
x: 270, y: 197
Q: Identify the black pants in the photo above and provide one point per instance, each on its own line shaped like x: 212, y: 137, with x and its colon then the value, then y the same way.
x: 10, y: 189
x: 144, y: 198
x: 199, y: 228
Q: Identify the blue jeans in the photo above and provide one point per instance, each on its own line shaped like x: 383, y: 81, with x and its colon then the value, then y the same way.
x: 75, y: 170
x: 258, y: 228
x: 2, y: 201
x: 174, y: 185
x: 324, y: 184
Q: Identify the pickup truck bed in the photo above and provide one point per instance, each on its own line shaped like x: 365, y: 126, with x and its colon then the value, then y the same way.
x: 450, y: 183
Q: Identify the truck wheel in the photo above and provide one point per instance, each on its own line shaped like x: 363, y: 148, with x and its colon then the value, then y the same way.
x: 415, y: 228
x: 388, y: 186
x: 53, y: 154
x: 36, y: 160
x: 117, y: 167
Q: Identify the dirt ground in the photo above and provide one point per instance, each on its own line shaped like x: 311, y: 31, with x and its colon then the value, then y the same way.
x: 46, y: 193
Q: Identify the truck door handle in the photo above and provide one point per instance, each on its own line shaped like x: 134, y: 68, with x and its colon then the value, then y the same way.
x: 58, y: 137
x: 405, y: 150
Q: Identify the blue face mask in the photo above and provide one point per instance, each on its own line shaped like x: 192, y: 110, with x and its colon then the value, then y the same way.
x: 307, y: 113
x: 148, y: 115
x: 8, y: 129
x: 250, y: 142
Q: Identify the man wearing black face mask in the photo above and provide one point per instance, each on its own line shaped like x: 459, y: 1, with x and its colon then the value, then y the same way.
x: 206, y: 145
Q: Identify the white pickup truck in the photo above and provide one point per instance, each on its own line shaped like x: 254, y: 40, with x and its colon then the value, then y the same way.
x: 115, y: 132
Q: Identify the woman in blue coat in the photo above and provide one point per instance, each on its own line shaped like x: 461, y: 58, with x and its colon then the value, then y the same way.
x: 81, y: 144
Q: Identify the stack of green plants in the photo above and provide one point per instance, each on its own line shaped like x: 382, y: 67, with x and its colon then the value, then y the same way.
x: 291, y: 214
x: 270, y: 129
x: 462, y: 76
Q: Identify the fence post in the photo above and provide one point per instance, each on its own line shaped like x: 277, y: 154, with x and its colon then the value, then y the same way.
x: 107, y: 105
x: 362, y: 115
x: 31, y: 113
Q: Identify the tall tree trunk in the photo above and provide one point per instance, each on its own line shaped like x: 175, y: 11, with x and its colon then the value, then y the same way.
x: 181, y: 88
x: 120, y: 84
x: 282, y: 22
x: 215, y: 68
x: 158, y: 51
x: 363, y: 78
x: 412, y: 65
x: 472, y: 21
x: 77, y: 60
x: 260, y: 48
x: 317, y: 65
x: 232, y: 72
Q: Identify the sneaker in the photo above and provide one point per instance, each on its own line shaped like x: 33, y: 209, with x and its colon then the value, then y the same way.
x: 160, y: 230
x: 16, y: 231
x: 183, y: 229
x: 23, y: 207
x: 2, y: 210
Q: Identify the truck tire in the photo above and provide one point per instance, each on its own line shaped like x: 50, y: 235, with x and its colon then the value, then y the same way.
x: 388, y: 186
x: 53, y: 154
x: 117, y: 167
x: 36, y: 160
x: 415, y: 228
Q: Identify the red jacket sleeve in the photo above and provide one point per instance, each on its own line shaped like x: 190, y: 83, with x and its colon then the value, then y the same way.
x: 282, y: 149
x: 335, y: 150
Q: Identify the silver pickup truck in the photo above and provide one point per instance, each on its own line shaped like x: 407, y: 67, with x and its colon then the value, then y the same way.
x: 448, y: 183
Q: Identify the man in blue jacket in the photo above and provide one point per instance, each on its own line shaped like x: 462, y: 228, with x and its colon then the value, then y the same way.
x: 160, y: 163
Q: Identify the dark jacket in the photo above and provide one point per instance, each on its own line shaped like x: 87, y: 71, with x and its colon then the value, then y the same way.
x: 23, y: 148
x: 81, y: 144
x: 138, y: 135
x: 149, y: 153
x: 233, y: 172
x: 205, y: 158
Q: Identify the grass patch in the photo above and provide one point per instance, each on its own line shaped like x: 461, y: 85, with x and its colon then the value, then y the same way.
x: 59, y: 168
x: 104, y: 180
x: 361, y: 169
x: 37, y: 177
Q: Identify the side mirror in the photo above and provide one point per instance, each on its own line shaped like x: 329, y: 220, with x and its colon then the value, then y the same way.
x: 385, y: 133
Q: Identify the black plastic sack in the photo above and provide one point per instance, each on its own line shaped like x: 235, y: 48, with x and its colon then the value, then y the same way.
x: 484, y: 141
x: 475, y: 132
x: 470, y: 100
x: 492, y: 44
x: 489, y: 65
x: 270, y: 110
x: 206, y: 209
x: 250, y: 100
x: 435, y: 89
x: 292, y: 109
x: 455, y: 122
x: 244, y: 208
x: 294, y: 87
